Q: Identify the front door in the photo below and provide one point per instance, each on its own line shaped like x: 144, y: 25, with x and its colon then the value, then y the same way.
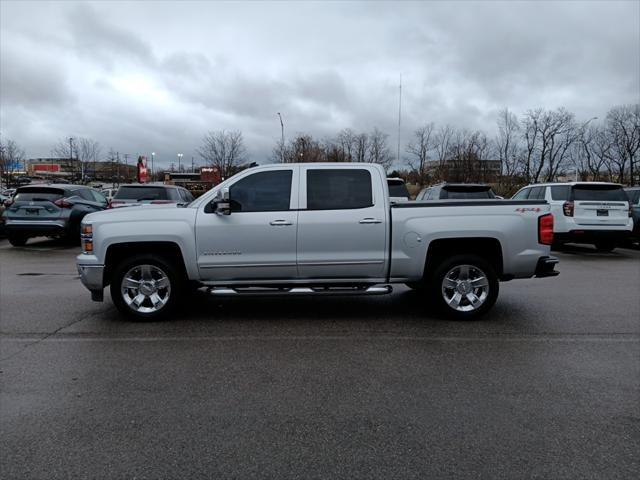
x: 257, y: 241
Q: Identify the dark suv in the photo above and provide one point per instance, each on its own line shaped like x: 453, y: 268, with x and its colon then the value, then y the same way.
x: 634, y: 205
x: 153, y: 194
x: 50, y: 210
x: 456, y: 191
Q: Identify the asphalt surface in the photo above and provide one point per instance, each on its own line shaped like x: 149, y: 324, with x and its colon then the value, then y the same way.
x: 546, y: 386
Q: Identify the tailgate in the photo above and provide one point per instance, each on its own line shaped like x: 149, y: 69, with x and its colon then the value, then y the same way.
x: 600, y: 204
x: 35, y: 204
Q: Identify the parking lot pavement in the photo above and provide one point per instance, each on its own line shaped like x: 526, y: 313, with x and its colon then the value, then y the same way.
x: 547, y: 385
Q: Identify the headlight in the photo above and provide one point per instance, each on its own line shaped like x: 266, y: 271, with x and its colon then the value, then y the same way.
x: 86, y: 238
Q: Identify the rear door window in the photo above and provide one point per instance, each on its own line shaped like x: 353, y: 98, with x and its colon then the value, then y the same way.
x: 613, y: 193
x: 537, y: 193
x: 560, y: 192
x: 336, y: 189
x: 132, y: 192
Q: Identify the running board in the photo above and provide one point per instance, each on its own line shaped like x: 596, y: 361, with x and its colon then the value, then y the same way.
x: 373, y: 290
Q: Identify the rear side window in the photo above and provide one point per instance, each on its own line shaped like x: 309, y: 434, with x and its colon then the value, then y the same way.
x: 130, y: 192
x: 38, y: 194
x: 522, y: 194
x: 599, y: 193
x: 634, y: 196
x: 262, y: 192
x: 537, y: 193
x: 560, y: 192
x: 334, y: 189
x: 466, y: 193
x: 397, y: 189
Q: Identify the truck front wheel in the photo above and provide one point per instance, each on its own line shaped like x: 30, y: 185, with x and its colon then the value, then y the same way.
x: 146, y: 287
x: 464, y: 286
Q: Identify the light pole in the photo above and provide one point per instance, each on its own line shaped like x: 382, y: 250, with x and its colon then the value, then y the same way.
x: 71, y: 155
x: 282, y: 138
x: 179, y: 162
x: 153, y: 156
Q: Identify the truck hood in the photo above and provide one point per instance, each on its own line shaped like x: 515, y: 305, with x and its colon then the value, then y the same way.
x: 143, y: 213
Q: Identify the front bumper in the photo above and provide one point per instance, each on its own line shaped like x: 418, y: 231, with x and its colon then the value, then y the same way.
x: 545, y: 267
x: 92, y: 277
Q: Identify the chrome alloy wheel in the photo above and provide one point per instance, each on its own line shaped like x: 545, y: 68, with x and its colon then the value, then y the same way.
x: 465, y: 288
x: 145, y: 288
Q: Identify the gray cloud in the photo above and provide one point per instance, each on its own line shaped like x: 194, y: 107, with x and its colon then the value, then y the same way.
x: 156, y: 76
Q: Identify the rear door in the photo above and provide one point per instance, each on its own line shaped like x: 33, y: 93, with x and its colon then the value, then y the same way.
x: 600, y: 204
x: 342, y: 223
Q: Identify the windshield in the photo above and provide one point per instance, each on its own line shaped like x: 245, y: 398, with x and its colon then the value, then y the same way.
x: 468, y: 193
x: 41, y: 194
x: 142, y: 193
x: 599, y: 193
x: 398, y: 189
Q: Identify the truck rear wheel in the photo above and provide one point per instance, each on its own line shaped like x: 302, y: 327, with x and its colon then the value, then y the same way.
x: 146, y: 287
x: 464, y: 287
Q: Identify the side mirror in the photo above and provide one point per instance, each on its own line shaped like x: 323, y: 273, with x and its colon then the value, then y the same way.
x: 220, y: 203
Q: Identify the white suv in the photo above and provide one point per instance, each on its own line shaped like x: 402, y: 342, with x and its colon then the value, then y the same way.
x: 585, y: 212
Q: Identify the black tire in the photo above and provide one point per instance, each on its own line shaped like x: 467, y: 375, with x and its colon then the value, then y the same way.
x: 17, y: 240
x: 176, y: 283
x: 605, y: 246
x: 488, y: 295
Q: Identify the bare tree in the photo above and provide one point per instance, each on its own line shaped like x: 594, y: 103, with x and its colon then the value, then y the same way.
x: 442, y: 144
x: 11, y: 155
x: 379, y: 150
x: 224, y: 150
x: 508, y: 145
x: 302, y: 148
x: 347, y: 140
x: 623, y: 126
x: 549, y: 134
x: 361, y: 147
x: 420, y: 147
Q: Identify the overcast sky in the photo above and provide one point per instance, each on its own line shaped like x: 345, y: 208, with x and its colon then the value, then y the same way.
x: 155, y: 76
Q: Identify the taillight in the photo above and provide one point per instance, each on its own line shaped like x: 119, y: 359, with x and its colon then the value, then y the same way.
x: 567, y: 209
x: 62, y: 203
x: 113, y: 203
x: 545, y: 229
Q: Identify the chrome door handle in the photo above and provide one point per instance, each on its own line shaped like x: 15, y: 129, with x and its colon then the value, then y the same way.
x: 370, y: 220
x: 280, y: 223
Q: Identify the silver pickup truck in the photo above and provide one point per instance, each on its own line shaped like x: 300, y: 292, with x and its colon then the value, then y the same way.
x: 313, y: 229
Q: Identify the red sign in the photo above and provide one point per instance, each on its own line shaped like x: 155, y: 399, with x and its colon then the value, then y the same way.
x: 142, y: 169
x: 46, y: 167
x: 210, y: 174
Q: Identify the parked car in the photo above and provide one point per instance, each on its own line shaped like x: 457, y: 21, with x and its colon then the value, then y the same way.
x: 398, y: 190
x: 456, y: 191
x: 154, y: 194
x: 9, y: 192
x: 585, y: 212
x: 50, y: 210
x: 634, y: 202
x: 313, y: 229
x: 109, y: 193
x: 3, y: 199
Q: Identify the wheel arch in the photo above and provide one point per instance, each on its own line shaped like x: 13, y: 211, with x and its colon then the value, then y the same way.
x: 489, y: 248
x: 119, y: 251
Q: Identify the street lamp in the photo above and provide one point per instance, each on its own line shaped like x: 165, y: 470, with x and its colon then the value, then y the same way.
x: 153, y: 156
x: 180, y: 162
x: 282, y: 140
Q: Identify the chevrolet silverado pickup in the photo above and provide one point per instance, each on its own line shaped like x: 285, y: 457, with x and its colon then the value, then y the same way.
x: 313, y: 229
